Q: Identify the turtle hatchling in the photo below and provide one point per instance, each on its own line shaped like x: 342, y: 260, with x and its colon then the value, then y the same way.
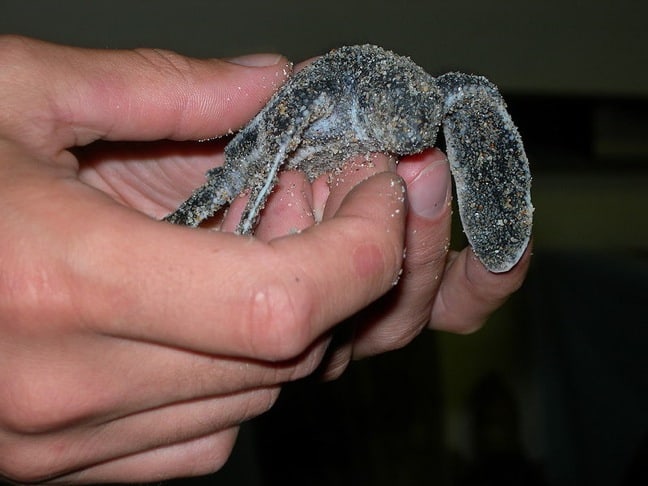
x: 360, y: 99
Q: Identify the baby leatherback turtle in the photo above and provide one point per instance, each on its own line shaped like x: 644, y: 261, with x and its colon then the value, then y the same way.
x: 360, y: 99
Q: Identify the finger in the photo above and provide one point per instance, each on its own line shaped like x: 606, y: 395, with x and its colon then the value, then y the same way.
x: 289, y: 208
x: 224, y: 294
x: 352, y: 173
x: 192, y: 458
x: 469, y: 293
x: 404, y: 311
x: 157, y: 377
x: 138, y: 433
x: 145, y: 94
x: 326, y: 202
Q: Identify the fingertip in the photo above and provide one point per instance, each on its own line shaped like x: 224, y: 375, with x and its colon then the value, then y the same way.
x: 429, y: 185
x: 380, y: 198
x: 351, y: 174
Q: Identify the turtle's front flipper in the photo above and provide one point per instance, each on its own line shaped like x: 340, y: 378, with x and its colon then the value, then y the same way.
x: 280, y: 129
x: 490, y: 169
x: 217, y: 192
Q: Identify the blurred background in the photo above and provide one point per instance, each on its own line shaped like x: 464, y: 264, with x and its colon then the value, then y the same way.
x: 554, y: 390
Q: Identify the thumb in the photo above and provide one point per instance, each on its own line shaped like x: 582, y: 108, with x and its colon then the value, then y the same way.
x: 239, y: 296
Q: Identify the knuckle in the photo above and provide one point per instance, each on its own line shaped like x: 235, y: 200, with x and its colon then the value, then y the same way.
x: 167, y: 62
x: 278, y: 320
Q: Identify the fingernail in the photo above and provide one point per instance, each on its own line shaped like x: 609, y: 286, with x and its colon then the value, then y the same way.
x: 255, y: 60
x: 430, y: 193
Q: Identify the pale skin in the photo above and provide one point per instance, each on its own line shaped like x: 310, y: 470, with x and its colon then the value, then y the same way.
x: 131, y: 349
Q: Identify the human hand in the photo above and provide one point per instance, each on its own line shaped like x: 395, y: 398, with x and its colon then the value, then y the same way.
x: 124, y: 353
x: 130, y: 349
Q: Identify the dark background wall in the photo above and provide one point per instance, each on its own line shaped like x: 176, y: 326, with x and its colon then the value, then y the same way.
x: 595, y: 47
